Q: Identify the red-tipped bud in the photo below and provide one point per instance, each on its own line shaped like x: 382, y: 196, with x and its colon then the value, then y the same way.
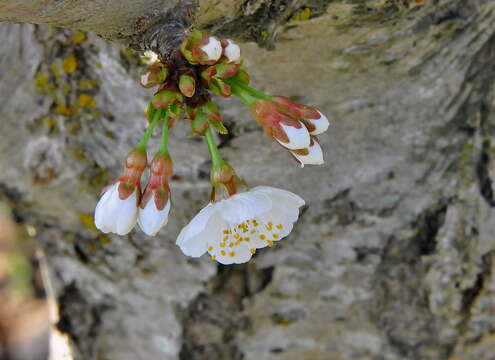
x: 154, y: 75
x: 187, y: 85
x: 220, y: 88
x: 225, y: 182
x: 278, y: 124
x: 135, y: 163
x: 165, y: 98
x: 314, y: 120
x: 199, y: 123
x: 225, y: 70
x: 155, y: 203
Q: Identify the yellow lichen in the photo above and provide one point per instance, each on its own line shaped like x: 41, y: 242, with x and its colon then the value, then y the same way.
x: 65, y: 110
x: 78, y: 37
x: 86, y: 101
x: 88, y: 85
x: 88, y: 221
x: 302, y: 15
x: 69, y: 64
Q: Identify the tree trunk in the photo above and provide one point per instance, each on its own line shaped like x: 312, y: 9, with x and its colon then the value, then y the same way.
x: 393, y: 256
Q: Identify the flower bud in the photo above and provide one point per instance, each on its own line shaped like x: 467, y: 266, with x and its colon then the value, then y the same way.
x: 318, y: 125
x: 187, y: 85
x: 165, y: 98
x: 154, y: 75
x: 225, y: 71
x: 287, y: 130
x: 312, y: 155
x: 155, y: 203
x: 212, y: 51
x: 225, y: 182
x: 231, y: 51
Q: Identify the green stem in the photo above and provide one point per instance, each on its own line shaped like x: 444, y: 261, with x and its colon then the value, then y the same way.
x: 163, y: 150
x: 216, y: 157
x: 246, y: 88
x: 149, y: 130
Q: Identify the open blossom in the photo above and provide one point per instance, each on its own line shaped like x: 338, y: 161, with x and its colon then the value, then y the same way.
x: 312, y: 155
x: 117, y: 210
x: 155, y: 203
x: 231, y: 230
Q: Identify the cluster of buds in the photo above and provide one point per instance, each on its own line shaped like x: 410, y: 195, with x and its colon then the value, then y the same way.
x: 237, y: 220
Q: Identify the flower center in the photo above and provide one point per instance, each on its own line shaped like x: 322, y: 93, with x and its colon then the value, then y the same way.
x: 254, y: 233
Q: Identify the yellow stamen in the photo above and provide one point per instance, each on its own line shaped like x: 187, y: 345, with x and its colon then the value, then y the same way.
x: 262, y: 237
x: 232, y: 254
x: 210, y: 248
x: 270, y: 243
x: 252, y: 251
x: 280, y: 226
x: 222, y: 244
x: 214, y: 257
x: 222, y: 252
x: 275, y: 236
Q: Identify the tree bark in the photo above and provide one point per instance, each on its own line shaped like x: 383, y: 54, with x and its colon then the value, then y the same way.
x: 393, y: 255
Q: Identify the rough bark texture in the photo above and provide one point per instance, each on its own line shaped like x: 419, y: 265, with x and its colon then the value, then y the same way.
x: 393, y: 256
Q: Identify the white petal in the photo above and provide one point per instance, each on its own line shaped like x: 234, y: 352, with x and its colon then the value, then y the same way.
x: 151, y: 220
x: 127, y: 214
x: 233, y: 52
x: 298, y: 138
x: 321, y: 124
x: 213, y: 49
x: 244, y: 206
x: 101, y: 210
x: 280, y: 193
x: 191, y: 239
x: 314, y: 157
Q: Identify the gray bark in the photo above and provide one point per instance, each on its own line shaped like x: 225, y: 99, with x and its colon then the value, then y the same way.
x: 393, y: 256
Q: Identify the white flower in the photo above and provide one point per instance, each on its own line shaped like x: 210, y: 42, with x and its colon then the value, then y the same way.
x: 151, y: 219
x: 313, y: 157
x: 113, y: 214
x: 232, y: 52
x: 213, y: 49
x: 298, y: 138
x: 321, y: 124
x: 232, y: 229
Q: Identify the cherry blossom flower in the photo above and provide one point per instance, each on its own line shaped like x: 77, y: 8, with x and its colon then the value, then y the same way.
x: 231, y: 230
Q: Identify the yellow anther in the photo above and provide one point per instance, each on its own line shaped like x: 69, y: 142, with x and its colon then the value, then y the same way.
x: 270, y: 243
x: 247, y: 239
x: 210, y: 248
x: 252, y: 250
x: 253, y: 231
x: 222, y: 252
x: 225, y: 238
x: 237, y: 236
x: 280, y: 226
x: 275, y: 236
x: 231, y: 245
x: 214, y: 257
x: 232, y: 254
x: 222, y: 244
x: 255, y: 223
x: 262, y: 237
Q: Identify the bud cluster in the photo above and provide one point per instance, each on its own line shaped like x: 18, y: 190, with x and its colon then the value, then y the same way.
x: 185, y: 81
